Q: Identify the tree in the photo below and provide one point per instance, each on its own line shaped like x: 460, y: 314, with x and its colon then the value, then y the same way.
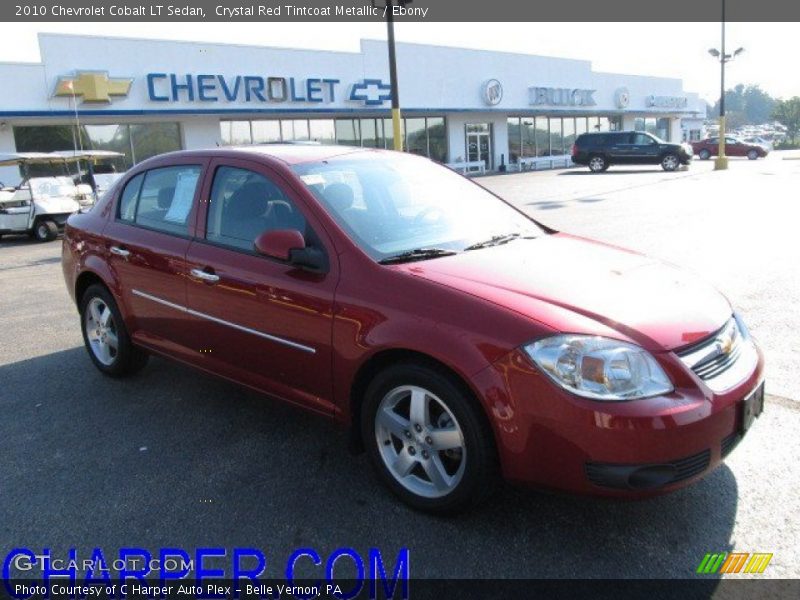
x: 758, y: 104
x: 787, y: 112
x: 746, y: 104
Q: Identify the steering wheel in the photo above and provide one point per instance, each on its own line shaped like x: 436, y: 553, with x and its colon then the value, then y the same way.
x: 423, y: 215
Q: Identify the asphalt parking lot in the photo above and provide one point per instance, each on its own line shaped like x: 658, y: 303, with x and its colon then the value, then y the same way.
x: 176, y: 458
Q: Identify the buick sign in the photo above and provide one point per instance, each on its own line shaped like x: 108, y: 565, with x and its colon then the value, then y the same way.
x: 492, y: 92
x: 561, y: 96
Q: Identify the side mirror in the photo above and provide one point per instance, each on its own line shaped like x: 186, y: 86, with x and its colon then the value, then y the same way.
x: 289, y: 245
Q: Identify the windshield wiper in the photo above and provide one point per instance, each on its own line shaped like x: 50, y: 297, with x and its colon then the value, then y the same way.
x: 416, y: 254
x: 496, y: 240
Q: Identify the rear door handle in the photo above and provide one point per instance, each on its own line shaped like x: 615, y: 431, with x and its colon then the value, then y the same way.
x: 120, y: 251
x: 204, y: 275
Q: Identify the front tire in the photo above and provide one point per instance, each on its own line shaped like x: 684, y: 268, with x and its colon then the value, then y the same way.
x: 105, y: 336
x: 428, y: 439
x: 670, y: 162
x: 598, y: 164
x: 704, y: 154
x: 752, y: 154
x: 45, y: 231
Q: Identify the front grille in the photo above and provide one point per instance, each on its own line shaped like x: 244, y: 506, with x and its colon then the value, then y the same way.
x: 716, y: 354
x: 723, y: 360
x: 729, y: 443
x: 719, y: 364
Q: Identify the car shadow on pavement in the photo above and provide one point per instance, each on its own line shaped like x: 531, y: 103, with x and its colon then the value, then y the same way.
x: 173, y: 457
x: 617, y: 171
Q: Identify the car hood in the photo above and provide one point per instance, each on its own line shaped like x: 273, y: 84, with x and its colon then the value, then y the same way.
x: 576, y: 285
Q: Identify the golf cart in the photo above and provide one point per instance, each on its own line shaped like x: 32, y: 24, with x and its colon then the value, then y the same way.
x: 40, y: 204
x: 100, y: 172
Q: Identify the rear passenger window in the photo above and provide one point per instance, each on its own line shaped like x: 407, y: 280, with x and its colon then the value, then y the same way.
x: 243, y: 205
x: 127, y: 201
x: 166, y: 198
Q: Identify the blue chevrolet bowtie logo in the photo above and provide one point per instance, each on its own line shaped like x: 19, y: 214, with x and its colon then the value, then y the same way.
x: 371, y: 91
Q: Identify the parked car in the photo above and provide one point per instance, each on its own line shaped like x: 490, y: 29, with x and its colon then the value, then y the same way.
x: 734, y: 146
x: 457, y: 338
x: 600, y: 150
x: 763, y: 142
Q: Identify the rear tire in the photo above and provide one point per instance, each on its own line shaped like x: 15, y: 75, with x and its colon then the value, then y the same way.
x: 104, y: 334
x: 704, y: 154
x: 597, y: 163
x: 670, y: 162
x: 45, y: 231
x: 752, y: 154
x: 428, y: 440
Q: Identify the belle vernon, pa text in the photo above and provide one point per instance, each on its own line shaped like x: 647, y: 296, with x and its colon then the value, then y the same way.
x: 230, y: 12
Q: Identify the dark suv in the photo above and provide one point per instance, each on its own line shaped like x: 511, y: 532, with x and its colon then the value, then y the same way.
x: 599, y: 151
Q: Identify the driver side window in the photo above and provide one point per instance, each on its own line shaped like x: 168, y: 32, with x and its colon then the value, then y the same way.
x: 243, y: 205
x: 641, y: 139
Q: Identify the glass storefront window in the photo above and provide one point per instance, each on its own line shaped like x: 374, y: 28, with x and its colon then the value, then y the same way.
x: 347, y: 132
x: 556, y: 139
x: 514, y: 139
x: 437, y: 139
x: 582, y: 125
x: 416, y: 137
x: 638, y: 124
x: 370, y: 137
x: 239, y: 133
x: 542, y: 136
x: 388, y: 132
x: 322, y: 130
x: 150, y: 139
x: 136, y: 141
x: 528, y: 132
x: 662, y: 128
x: 426, y: 135
x: 266, y: 131
x: 569, y: 131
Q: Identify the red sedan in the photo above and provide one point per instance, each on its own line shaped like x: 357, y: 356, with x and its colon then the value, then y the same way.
x: 709, y: 147
x: 458, y: 339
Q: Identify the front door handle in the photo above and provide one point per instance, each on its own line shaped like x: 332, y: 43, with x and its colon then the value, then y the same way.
x: 204, y: 275
x: 120, y: 251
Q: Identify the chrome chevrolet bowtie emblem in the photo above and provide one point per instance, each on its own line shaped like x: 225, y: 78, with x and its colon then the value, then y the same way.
x: 93, y: 86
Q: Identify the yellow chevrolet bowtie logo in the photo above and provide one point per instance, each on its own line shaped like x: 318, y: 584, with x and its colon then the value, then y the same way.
x: 93, y: 86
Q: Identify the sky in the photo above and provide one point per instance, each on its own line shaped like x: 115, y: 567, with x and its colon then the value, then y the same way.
x: 677, y: 50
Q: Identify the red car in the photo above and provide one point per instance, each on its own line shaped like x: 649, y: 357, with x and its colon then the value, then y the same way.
x: 709, y: 147
x: 457, y: 338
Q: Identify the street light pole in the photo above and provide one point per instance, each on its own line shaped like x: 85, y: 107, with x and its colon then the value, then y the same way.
x: 721, y: 163
x: 396, y: 129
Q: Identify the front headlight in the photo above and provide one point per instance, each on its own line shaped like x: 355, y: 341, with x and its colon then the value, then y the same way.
x: 599, y: 368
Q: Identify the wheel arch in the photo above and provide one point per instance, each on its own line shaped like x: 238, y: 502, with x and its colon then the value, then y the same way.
x: 387, y: 357
x: 84, y: 280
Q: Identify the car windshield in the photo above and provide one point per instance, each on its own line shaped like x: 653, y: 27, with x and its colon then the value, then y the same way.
x: 52, y: 187
x: 393, y: 204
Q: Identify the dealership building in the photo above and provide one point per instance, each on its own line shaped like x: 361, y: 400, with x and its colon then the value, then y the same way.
x: 463, y: 107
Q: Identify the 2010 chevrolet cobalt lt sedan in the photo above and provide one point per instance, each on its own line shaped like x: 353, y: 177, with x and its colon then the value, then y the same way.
x: 457, y: 338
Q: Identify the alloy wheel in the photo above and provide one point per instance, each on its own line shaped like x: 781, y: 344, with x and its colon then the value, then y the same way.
x: 670, y: 162
x: 420, y: 441
x: 101, y: 331
x: 596, y: 163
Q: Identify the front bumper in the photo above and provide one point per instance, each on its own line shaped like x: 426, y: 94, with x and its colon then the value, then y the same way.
x: 550, y: 438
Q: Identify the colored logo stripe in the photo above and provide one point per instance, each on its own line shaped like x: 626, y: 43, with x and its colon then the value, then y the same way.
x: 735, y: 562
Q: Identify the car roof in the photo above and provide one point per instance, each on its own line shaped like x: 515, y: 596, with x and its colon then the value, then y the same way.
x: 290, y: 154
